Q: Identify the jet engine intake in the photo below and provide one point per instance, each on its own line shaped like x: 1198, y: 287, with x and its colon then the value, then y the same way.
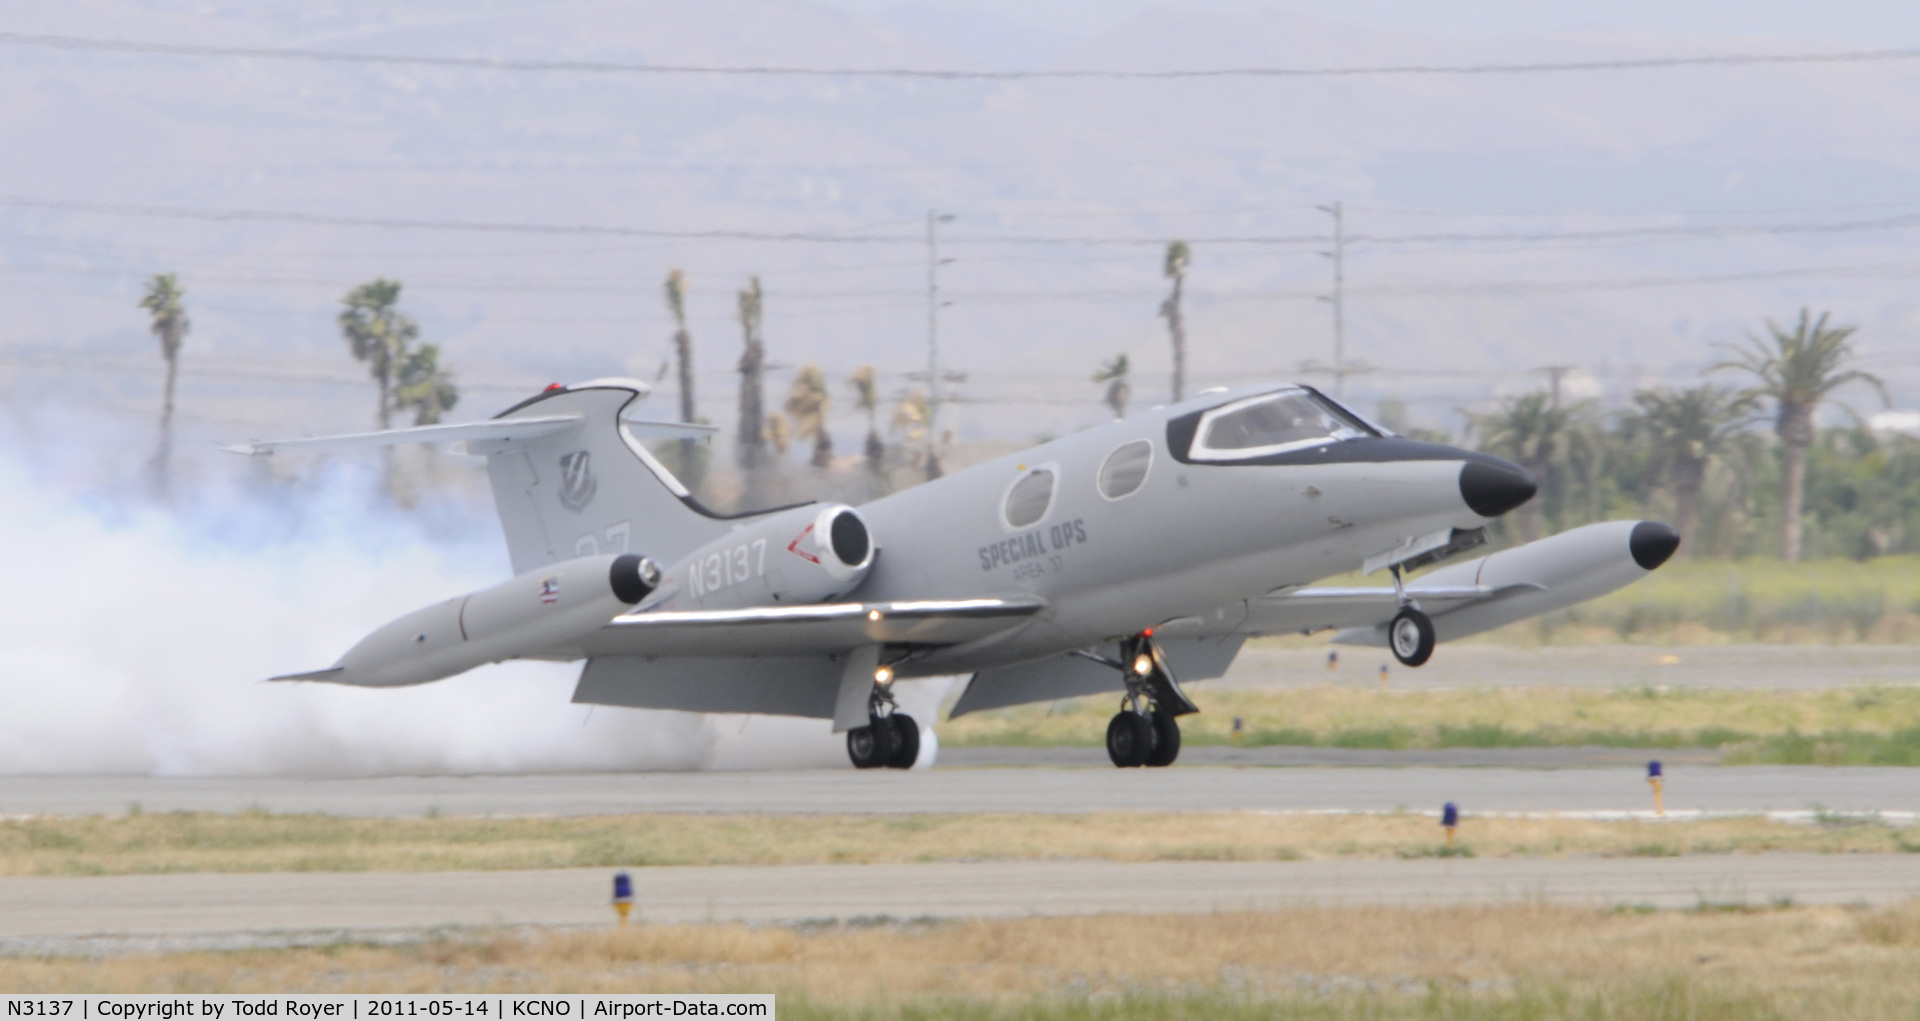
x: 515, y: 618
x: 809, y: 554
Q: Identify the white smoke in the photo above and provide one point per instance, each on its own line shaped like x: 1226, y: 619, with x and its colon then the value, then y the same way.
x: 136, y: 640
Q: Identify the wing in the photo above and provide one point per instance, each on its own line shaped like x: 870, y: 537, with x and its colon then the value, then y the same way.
x: 1319, y: 609
x: 1463, y: 599
x: 494, y: 429
x: 806, y: 630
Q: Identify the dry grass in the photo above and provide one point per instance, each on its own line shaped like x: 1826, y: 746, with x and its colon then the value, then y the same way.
x: 1459, y: 962
x: 1649, y: 717
x: 1715, y: 602
x: 259, y: 842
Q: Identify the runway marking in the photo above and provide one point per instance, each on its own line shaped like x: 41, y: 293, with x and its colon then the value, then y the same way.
x: 1797, y: 817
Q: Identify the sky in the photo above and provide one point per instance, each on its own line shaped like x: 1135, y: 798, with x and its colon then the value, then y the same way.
x: 1622, y: 223
x: 1052, y: 28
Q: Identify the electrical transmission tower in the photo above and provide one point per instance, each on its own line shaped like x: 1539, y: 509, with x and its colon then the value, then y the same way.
x: 934, y: 397
x: 1341, y: 368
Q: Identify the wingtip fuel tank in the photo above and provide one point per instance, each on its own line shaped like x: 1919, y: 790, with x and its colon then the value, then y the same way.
x: 1542, y: 576
x: 532, y: 611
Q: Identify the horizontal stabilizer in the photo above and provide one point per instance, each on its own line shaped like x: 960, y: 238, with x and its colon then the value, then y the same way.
x: 493, y: 429
x: 646, y: 430
x: 311, y: 675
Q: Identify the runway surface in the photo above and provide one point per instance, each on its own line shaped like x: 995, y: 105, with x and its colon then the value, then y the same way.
x: 46, y: 915
x: 1045, y: 789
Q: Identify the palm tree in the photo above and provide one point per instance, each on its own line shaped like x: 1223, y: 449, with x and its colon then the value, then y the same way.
x: 1175, y: 269
x: 807, y: 401
x: 379, y: 334
x: 1685, y: 431
x: 778, y: 434
x: 752, y: 442
x: 424, y: 385
x: 1114, y: 374
x: 1797, y: 370
x: 169, y: 323
x: 683, y: 359
x: 912, y: 418
x: 1543, y: 436
x: 867, y: 396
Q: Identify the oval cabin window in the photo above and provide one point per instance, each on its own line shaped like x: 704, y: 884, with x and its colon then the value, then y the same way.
x: 1125, y: 469
x: 1028, y: 500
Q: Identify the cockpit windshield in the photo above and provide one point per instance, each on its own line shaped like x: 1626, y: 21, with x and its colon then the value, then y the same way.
x: 1272, y: 423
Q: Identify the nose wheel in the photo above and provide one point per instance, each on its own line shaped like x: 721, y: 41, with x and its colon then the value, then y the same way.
x: 891, y: 741
x: 1129, y: 739
x: 1146, y: 731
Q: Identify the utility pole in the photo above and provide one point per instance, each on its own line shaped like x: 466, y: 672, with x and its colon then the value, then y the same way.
x: 934, y: 219
x: 1338, y: 299
x: 1554, y: 374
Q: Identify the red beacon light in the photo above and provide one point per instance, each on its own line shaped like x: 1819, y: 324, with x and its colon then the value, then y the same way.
x: 551, y: 387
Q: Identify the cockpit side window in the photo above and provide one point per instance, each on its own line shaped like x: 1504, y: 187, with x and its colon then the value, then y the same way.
x: 1270, y: 424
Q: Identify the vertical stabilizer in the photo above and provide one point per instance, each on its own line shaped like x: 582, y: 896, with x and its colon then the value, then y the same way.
x: 589, y: 489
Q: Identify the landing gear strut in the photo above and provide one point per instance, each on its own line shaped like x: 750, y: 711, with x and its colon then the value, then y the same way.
x: 1145, y: 732
x: 890, y: 738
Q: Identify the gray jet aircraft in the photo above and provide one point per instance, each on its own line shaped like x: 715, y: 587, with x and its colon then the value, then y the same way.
x: 1127, y: 558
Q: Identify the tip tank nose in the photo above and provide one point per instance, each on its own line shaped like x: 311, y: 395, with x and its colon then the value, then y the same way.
x: 1493, y: 487
x: 1652, y: 543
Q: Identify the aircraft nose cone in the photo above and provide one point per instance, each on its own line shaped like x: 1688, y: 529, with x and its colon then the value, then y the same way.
x: 1652, y: 543
x: 1493, y: 487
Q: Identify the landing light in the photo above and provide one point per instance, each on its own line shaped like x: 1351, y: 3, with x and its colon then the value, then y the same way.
x: 883, y: 675
x: 1143, y: 664
x: 873, y: 614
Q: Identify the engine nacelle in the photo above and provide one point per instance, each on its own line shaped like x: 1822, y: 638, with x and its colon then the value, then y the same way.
x: 534, y: 610
x: 805, y: 555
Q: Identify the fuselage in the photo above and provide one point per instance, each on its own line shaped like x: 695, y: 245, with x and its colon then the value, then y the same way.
x: 1203, y: 530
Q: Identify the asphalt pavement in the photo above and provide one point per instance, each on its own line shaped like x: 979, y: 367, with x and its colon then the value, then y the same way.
x: 61, y: 915
x: 1180, y: 788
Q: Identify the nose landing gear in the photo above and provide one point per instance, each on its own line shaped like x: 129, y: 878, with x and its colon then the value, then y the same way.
x: 1145, y: 732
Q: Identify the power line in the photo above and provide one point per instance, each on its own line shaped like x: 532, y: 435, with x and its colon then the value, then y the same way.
x: 1648, y: 233
x: 480, y: 227
x: 1884, y: 270
x: 83, y: 43
x: 1897, y: 222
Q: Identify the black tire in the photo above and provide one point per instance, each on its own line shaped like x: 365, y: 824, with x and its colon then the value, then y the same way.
x: 1166, y: 739
x: 1410, y: 637
x: 1129, y: 739
x: 906, y: 741
x: 871, y: 746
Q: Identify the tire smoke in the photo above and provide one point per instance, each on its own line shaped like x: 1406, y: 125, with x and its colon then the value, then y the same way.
x: 137, y: 641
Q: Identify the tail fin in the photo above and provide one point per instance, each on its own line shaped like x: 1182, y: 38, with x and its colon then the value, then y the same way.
x: 592, y: 488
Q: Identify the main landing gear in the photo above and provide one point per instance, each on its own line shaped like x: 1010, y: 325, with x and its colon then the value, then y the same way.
x: 890, y: 738
x: 1410, y: 632
x: 1146, y: 731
